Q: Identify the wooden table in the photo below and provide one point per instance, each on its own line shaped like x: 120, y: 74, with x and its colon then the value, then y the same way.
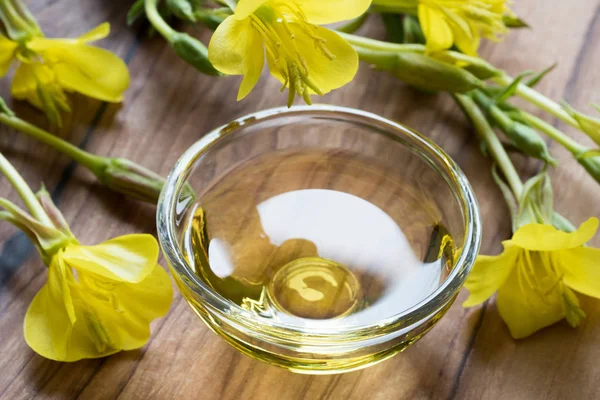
x: 169, y: 106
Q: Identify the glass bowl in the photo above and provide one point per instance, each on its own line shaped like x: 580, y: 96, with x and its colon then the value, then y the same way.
x: 319, y: 239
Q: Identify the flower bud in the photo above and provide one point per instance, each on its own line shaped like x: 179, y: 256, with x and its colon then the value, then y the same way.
x: 132, y: 179
x: 426, y: 73
x: 193, y: 52
x: 476, y: 66
x: 525, y: 138
x: 183, y: 9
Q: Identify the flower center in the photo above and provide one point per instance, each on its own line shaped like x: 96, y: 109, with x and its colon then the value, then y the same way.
x: 278, y: 24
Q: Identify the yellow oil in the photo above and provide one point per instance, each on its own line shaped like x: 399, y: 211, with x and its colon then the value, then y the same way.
x: 314, y: 238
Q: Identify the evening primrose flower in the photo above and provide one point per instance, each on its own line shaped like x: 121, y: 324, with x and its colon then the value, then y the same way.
x: 536, y: 277
x: 98, y: 300
x: 461, y: 23
x: 306, y: 58
x: 48, y: 68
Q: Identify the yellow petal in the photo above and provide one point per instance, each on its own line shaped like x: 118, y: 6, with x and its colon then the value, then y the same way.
x: 325, y: 73
x: 80, y: 344
x: 246, y: 7
x: 540, y: 237
x: 7, y: 53
x: 89, y: 70
x: 529, y: 303
x: 435, y: 28
x: 99, y: 32
x: 327, y: 12
x: 489, y: 274
x: 237, y: 49
x: 581, y: 269
x: 128, y: 258
x: 51, y: 315
x: 467, y: 41
x: 24, y: 83
x: 118, y: 319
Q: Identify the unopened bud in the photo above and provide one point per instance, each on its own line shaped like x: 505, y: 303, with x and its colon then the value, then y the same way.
x: 427, y: 73
x: 476, y: 66
x: 183, y: 9
x: 193, y: 52
x: 131, y: 179
x: 525, y: 138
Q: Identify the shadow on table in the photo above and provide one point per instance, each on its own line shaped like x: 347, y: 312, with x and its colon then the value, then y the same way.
x: 557, y: 360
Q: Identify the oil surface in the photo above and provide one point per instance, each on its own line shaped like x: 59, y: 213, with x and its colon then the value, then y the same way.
x: 316, y: 237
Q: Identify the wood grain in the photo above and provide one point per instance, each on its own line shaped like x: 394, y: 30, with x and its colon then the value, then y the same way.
x: 169, y: 106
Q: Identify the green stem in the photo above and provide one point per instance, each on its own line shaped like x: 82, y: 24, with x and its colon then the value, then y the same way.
x: 568, y: 143
x: 495, y: 147
x: 373, y: 57
x: 93, y: 162
x: 378, y: 45
x: 539, y: 100
x: 157, y: 21
x: 24, y: 191
x: 374, y: 44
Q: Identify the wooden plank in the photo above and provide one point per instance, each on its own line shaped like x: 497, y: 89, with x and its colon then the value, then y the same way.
x: 168, y: 107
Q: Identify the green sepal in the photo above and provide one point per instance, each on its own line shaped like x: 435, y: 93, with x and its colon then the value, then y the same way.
x: 589, y: 125
x: 512, y: 21
x: 536, y: 201
x: 509, y: 197
x: 562, y: 223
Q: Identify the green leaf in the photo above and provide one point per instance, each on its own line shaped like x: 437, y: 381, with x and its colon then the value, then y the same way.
x: 535, y: 79
x: 512, y: 88
x: 136, y: 12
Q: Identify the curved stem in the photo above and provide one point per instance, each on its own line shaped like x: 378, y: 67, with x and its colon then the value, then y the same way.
x: 495, y: 147
x: 24, y: 191
x: 93, y: 162
x: 568, y: 143
x: 539, y: 100
x: 157, y: 21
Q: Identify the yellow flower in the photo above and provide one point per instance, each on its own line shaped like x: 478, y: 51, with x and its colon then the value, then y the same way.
x: 47, y: 68
x: 98, y: 300
x: 535, y: 277
x: 306, y: 58
x: 461, y: 22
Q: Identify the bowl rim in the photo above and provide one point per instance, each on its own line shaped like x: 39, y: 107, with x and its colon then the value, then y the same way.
x: 233, y: 313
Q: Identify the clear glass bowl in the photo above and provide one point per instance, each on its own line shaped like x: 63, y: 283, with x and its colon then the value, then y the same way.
x: 374, y: 199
